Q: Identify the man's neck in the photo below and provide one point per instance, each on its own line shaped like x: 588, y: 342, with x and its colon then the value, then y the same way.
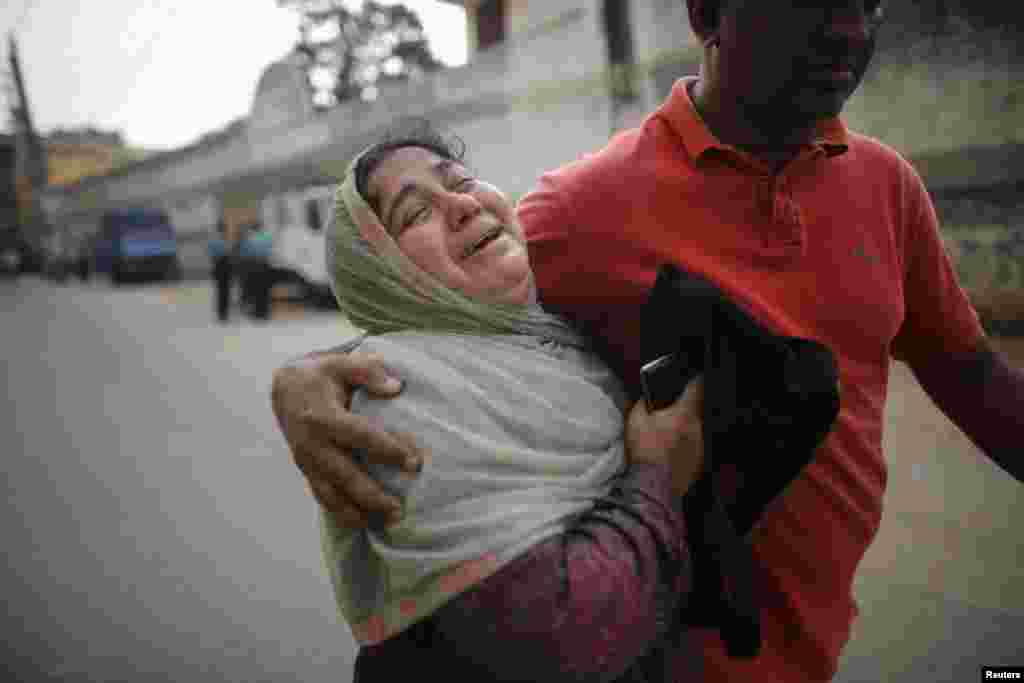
x: 773, y: 145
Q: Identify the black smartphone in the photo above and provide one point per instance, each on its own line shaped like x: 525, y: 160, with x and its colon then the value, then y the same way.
x: 664, y: 379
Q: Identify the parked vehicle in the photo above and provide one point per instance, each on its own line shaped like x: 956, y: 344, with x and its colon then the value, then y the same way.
x: 297, y: 220
x: 10, y: 260
x: 17, y: 255
x: 14, y: 252
x: 137, y: 244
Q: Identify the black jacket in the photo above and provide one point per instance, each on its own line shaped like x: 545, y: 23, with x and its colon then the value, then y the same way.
x: 769, y: 401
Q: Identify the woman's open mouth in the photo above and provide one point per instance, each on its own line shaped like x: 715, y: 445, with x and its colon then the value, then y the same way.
x: 485, y: 239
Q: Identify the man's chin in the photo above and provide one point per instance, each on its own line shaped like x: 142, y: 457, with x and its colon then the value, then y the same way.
x: 816, y: 104
x: 820, y: 107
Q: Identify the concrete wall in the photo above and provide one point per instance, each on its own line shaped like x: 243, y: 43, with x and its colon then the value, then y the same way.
x: 666, y: 49
x: 546, y: 78
x: 534, y: 102
x: 555, y: 102
x: 929, y: 94
x: 947, y: 94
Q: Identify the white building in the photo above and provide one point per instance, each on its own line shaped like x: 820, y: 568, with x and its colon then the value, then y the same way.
x: 549, y: 80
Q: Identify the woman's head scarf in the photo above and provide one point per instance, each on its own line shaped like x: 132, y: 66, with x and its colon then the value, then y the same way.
x: 380, y: 290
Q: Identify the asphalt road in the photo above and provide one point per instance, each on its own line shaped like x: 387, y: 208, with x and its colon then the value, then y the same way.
x: 155, y: 529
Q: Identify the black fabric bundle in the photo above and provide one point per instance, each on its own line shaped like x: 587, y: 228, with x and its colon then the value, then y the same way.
x: 769, y: 401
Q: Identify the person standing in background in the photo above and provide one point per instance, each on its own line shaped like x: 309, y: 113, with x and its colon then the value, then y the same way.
x: 254, y: 258
x: 220, y: 255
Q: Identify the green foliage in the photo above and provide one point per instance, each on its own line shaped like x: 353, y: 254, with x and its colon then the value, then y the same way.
x: 350, y: 51
x: 987, y: 257
x: 128, y: 155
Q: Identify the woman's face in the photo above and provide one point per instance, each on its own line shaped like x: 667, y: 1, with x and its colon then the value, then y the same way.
x: 460, y: 230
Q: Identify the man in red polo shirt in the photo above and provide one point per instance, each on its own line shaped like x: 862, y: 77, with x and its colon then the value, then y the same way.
x: 747, y: 176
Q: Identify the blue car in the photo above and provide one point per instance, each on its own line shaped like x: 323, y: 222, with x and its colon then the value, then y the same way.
x: 137, y: 244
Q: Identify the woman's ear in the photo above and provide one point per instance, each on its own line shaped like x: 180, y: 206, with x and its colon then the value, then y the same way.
x: 368, y: 223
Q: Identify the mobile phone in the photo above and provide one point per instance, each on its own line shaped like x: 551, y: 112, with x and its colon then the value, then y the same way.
x: 664, y: 379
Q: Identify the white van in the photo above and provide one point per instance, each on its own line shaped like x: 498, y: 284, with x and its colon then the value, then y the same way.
x: 298, y: 220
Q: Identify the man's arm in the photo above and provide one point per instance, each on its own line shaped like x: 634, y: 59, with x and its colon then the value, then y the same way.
x: 943, y: 342
x: 984, y: 396
x: 310, y: 398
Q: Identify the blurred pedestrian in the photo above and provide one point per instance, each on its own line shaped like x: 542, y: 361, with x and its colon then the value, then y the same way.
x: 254, y: 256
x: 221, y: 256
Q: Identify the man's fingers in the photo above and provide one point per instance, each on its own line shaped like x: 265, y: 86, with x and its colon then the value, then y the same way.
x: 361, y: 369
x: 349, y: 517
x: 378, y: 380
x: 346, y: 516
x: 324, y: 493
x: 350, y: 432
x: 342, y: 487
x: 350, y: 484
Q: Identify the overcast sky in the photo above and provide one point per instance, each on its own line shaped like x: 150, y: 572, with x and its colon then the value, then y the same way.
x: 163, y: 72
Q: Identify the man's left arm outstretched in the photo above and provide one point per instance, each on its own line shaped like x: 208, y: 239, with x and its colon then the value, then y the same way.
x: 984, y: 396
x: 943, y: 342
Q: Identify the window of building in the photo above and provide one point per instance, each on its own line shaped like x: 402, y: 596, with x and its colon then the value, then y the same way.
x: 283, y: 214
x: 313, y: 219
x: 327, y: 210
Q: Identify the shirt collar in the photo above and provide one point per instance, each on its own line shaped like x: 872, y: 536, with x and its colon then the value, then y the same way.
x: 682, y: 117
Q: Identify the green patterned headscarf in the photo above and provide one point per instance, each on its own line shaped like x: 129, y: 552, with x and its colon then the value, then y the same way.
x: 380, y: 290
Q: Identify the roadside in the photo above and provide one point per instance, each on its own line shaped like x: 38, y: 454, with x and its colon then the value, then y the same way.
x: 941, y: 591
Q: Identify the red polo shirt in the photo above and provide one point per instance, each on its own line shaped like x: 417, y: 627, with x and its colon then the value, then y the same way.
x: 841, y: 246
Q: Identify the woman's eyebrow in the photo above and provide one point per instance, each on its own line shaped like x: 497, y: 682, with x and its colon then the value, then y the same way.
x: 400, y: 196
x: 440, y: 169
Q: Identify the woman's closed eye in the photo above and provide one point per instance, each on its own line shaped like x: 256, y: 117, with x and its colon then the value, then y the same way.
x: 417, y: 212
x: 463, y: 184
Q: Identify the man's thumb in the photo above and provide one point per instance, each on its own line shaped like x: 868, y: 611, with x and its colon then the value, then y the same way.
x: 358, y: 369
x: 380, y: 383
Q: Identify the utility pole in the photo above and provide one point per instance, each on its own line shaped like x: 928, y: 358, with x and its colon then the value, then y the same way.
x: 30, y: 165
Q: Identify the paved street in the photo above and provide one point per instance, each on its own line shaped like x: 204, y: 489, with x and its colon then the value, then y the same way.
x: 155, y: 529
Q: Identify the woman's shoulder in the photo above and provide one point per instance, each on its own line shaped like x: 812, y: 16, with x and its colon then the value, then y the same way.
x: 453, y: 347
x: 476, y: 356
x: 435, y: 363
x: 421, y: 347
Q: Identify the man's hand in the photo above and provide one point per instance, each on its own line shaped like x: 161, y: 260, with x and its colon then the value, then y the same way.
x: 672, y: 436
x: 311, y: 398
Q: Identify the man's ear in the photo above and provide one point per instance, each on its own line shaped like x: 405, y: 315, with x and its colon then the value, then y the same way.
x: 704, y: 15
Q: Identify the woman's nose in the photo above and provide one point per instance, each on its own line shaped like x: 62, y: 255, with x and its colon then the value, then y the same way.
x: 462, y: 208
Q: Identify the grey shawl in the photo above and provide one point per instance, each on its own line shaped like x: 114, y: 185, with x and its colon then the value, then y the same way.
x: 523, y: 433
